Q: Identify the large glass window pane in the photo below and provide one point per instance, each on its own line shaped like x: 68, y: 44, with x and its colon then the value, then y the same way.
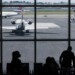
x: 26, y: 50
x: 17, y: 2
x: 12, y: 18
x: 51, y: 49
x: 52, y: 23
x: 72, y: 2
x: 72, y: 21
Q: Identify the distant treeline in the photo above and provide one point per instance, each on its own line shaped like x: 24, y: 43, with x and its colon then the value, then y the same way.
x: 42, y: 3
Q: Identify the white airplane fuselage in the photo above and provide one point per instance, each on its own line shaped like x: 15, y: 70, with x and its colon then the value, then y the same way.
x: 7, y: 14
x: 20, y: 28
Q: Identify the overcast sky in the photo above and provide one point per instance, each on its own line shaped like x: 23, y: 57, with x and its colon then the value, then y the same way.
x: 42, y: 0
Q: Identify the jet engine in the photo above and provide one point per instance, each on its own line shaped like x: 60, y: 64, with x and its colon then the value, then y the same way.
x: 29, y: 22
x: 13, y: 21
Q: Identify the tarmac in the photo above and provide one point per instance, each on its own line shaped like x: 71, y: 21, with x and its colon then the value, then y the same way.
x: 44, y: 48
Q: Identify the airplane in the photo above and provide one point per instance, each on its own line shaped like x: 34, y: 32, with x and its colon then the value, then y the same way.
x: 19, y: 20
x: 12, y: 13
x: 8, y: 14
x: 23, y: 26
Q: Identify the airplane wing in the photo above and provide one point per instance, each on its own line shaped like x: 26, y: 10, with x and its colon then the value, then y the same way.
x: 9, y: 27
x: 38, y: 26
x: 43, y: 26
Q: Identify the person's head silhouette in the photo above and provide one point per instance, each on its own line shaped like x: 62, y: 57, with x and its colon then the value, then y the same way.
x: 16, y: 54
x: 69, y: 48
x: 48, y: 60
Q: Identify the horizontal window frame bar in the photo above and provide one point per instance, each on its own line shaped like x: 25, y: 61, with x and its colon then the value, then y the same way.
x: 37, y: 5
x: 37, y: 40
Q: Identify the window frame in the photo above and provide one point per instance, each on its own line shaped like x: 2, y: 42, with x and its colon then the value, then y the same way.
x: 35, y: 40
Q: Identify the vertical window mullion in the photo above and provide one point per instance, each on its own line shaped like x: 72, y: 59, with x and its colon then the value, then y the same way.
x: 34, y: 31
x: 69, y: 25
x: 1, y: 45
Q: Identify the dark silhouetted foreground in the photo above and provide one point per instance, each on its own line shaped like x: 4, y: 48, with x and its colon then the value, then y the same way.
x: 50, y: 67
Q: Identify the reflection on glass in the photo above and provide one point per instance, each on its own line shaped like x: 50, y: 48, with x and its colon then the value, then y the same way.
x: 52, y: 22
x: 52, y: 49
x: 18, y: 22
x: 18, y: 2
x: 26, y: 50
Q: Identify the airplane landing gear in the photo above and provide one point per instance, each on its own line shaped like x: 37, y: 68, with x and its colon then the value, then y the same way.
x: 13, y: 22
x: 27, y: 31
x: 18, y: 32
x: 13, y: 31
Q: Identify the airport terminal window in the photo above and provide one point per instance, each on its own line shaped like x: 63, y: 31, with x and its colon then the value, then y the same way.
x: 45, y: 49
x: 53, y: 20
x: 26, y: 50
x: 40, y: 14
x: 25, y: 13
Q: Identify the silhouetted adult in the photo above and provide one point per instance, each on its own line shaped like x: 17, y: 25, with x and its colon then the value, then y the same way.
x: 55, y: 67
x: 74, y: 62
x: 16, y: 65
x: 74, y: 66
x: 66, y: 60
x: 50, y: 67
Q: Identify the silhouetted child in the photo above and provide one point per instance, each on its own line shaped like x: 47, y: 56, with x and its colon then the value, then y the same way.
x: 16, y: 65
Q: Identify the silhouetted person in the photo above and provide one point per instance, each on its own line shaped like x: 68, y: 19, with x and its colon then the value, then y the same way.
x: 74, y: 65
x: 56, y: 66
x: 66, y: 59
x: 50, y: 67
x: 16, y: 65
x: 74, y: 62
